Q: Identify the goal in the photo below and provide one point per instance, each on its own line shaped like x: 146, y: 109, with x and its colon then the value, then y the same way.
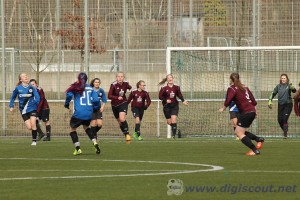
x: 203, y: 75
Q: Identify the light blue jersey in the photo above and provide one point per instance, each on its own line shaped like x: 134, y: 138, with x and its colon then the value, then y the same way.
x: 28, y: 98
x: 84, y: 104
x: 101, y: 95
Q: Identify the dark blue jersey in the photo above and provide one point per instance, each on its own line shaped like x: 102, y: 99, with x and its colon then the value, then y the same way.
x: 233, y: 107
x: 85, y: 103
x: 28, y: 98
x: 101, y: 95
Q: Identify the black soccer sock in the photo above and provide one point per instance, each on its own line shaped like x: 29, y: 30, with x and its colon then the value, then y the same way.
x: 38, y: 128
x: 124, y: 128
x: 98, y: 128
x: 137, y: 128
x: 94, y: 131
x: 252, y: 136
x: 90, y: 133
x: 174, y: 128
x: 48, y: 131
x: 74, y: 136
x: 246, y: 141
x: 34, y: 135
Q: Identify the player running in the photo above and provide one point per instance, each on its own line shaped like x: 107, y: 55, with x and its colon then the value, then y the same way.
x: 28, y: 101
x: 168, y: 94
x: 246, y: 103
x: 119, y: 105
x: 85, y: 103
x: 137, y: 98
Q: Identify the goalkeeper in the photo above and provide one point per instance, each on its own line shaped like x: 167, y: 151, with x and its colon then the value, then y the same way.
x: 285, y: 103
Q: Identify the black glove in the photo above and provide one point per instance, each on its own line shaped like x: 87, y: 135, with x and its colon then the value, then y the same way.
x: 145, y: 107
x: 67, y: 106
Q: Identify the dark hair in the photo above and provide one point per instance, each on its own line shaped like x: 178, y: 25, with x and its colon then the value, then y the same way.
x: 163, y: 81
x: 79, y: 85
x: 287, y: 78
x: 32, y: 80
x: 235, y: 78
x: 93, y: 81
x: 139, y: 83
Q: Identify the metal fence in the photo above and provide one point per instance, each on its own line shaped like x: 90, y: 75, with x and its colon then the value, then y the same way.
x: 52, y: 40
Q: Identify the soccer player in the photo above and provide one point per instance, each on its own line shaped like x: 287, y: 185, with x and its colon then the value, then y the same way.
x: 233, y: 113
x: 137, y: 98
x: 28, y: 101
x: 297, y: 102
x: 86, y: 101
x: 119, y: 105
x: 97, y: 117
x: 285, y: 103
x: 246, y: 103
x: 43, y: 112
x: 168, y: 94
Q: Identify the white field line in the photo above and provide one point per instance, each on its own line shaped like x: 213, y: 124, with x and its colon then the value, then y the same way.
x: 169, y: 172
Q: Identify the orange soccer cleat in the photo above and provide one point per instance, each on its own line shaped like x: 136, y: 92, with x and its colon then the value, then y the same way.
x: 252, y: 153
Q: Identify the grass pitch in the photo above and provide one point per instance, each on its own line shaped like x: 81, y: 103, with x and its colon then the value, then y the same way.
x: 193, y: 168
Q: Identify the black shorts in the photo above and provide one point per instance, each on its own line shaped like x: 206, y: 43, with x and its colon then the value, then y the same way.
x: 246, y: 119
x: 27, y: 116
x: 120, y: 108
x: 138, y: 112
x: 75, y: 123
x: 44, y: 115
x: 171, y: 109
x: 97, y: 115
x: 233, y: 114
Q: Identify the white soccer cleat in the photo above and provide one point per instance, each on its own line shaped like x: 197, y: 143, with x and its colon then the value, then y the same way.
x: 33, y: 143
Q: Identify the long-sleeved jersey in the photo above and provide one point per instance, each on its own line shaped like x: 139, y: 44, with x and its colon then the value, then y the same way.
x: 170, y: 93
x: 101, y: 95
x: 28, y: 98
x: 117, y: 90
x: 43, y: 105
x: 284, y: 93
x: 84, y: 104
x: 296, y: 104
x: 244, y: 100
x: 139, y: 98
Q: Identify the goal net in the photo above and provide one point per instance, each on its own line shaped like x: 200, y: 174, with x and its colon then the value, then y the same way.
x: 203, y: 75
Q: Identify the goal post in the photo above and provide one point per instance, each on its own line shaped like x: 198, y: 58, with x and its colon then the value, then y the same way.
x: 203, y: 75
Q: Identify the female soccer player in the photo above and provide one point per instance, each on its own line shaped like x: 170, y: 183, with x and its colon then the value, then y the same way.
x: 246, y: 103
x: 119, y: 105
x: 297, y: 102
x: 28, y: 101
x: 85, y: 103
x: 168, y: 94
x: 285, y: 103
x: 138, y: 106
x: 97, y: 122
x: 43, y: 112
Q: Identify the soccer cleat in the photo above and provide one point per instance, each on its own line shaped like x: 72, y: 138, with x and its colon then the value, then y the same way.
x: 77, y: 152
x: 135, y: 135
x: 173, y: 136
x: 260, y: 143
x: 252, y: 153
x: 97, y: 148
x: 46, y: 139
x: 127, y: 137
x: 33, y: 143
x: 140, y: 138
x: 40, y: 136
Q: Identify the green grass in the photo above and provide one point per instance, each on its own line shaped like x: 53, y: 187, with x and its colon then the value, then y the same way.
x: 129, y: 171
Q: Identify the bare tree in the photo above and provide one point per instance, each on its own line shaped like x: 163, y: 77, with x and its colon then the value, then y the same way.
x: 73, y: 35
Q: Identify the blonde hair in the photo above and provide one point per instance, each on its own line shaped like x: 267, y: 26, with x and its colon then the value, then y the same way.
x: 163, y: 81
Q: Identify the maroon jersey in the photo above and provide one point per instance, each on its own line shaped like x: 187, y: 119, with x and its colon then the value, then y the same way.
x: 171, y: 93
x: 296, y: 104
x: 244, y: 100
x: 138, y: 99
x: 43, y: 105
x: 117, y: 90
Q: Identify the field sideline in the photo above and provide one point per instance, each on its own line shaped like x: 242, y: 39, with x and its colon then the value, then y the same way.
x: 193, y: 168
